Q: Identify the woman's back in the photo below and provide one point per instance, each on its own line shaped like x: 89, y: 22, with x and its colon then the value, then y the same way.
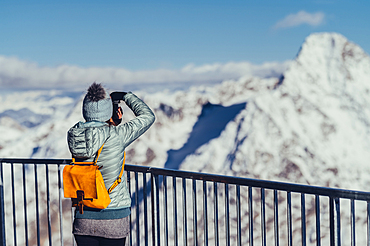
x: 85, y: 139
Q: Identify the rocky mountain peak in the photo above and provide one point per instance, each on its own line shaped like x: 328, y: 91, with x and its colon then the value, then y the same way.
x: 329, y: 46
x: 329, y: 63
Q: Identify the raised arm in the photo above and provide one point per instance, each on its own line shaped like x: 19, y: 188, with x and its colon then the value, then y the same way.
x: 134, y: 128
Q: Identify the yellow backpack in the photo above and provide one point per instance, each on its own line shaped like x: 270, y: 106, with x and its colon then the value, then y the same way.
x: 83, y: 182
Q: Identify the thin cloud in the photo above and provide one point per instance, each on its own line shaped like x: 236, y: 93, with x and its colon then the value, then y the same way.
x: 16, y: 73
x: 300, y: 18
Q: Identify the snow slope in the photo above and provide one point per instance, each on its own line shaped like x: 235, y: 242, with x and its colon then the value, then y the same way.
x: 314, y: 118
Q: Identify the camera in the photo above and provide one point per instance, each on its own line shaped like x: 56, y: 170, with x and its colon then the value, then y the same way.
x: 117, y: 110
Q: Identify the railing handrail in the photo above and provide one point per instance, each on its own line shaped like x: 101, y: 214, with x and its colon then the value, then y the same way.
x: 267, y: 184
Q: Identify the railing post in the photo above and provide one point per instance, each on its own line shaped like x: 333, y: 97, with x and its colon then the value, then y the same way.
x: 331, y: 221
x: 289, y: 218
x: 2, y: 214
x: 152, y: 206
x: 368, y: 223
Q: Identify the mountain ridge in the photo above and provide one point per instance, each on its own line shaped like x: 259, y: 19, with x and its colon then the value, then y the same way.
x: 314, y: 119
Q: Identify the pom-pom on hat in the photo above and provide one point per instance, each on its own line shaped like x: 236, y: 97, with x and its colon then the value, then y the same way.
x: 97, y: 104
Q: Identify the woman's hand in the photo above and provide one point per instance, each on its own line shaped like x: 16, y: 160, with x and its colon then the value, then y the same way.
x: 119, y: 113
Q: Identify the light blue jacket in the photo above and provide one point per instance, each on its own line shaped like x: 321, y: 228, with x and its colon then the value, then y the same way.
x: 85, y: 138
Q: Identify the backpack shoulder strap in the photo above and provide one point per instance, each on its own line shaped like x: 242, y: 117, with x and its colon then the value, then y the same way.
x: 118, y: 180
x: 92, y: 162
x: 98, y: 154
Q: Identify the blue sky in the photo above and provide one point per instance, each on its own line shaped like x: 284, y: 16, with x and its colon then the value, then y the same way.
x: 141, y: 35
x: 64, y: 43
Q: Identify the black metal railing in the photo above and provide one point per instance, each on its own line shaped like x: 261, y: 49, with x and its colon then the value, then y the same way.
x: 172, y: 207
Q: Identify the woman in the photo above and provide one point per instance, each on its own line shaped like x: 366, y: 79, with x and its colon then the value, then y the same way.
x: 108, y: 226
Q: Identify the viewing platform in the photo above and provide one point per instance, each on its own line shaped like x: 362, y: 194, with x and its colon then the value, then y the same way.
x: 174, y: 207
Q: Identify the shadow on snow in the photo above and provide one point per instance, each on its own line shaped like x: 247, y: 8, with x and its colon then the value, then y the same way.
x: 211, y: 122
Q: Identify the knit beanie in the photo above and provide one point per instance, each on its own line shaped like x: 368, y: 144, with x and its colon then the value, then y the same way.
x: 97, y: 104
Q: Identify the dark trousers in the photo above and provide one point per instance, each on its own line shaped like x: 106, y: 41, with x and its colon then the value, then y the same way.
x: 99, y: 241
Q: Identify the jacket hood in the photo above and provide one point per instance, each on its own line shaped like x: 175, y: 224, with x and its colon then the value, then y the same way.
x: 85, y: 139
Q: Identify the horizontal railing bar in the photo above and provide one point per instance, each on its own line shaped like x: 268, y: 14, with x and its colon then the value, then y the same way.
x: 274, y: 185
x: 35, y: 161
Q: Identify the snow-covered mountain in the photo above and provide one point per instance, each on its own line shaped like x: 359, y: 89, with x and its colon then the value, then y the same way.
x: 311, y: 126
x: 313, y: 119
